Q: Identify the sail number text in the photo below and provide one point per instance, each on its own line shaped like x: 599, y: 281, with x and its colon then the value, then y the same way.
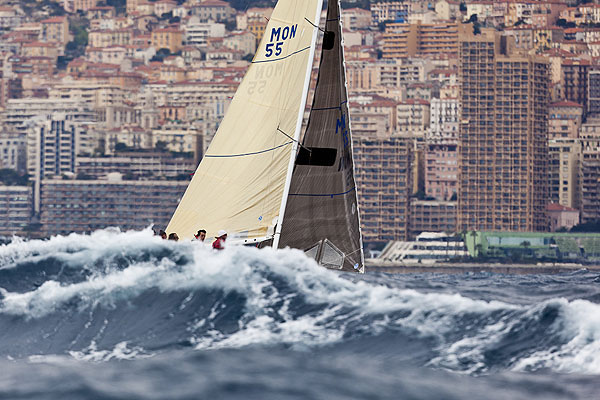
x: 278, y: 36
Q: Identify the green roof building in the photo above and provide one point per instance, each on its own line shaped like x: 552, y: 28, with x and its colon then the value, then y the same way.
x: 549, y: 246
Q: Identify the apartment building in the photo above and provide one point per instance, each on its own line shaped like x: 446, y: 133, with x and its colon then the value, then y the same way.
x: 369, y: 124
x: 565, y: 118
x: 383, y: 178
x: 395, y: 73
x: 55, y: 29
x: 78, y: 5
x: 9, y: 18
x: 167, y: 38
x: 443, y: 116
x: 389, y: 10
x: 242, y: 41
x: 41, y: 49
x: 356, y: 18
x: 20, y: 113
x: 197, y: 32
x: 503, y: 149
x: 432, y: 216
x: 87, y: 205
x: 594, y: 90
x: 13, y: 151
x: 133, y: 137
x: 403, y: 40
x: 15, y: 209
x: 142, y: 165
x: 589, y: 171
x: 575, y: 80
x: 52, y: 145
x: 214, y: 10
x: 563, y: 167
x: 110, y: 37
x: 181, y: 139
x: 590, y: 186
x: 412, y: 117
x: 441, y: 169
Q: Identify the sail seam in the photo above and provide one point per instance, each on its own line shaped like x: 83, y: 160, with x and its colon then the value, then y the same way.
x: 329, y: 108
x: 326, y: 108
x: 322, y: 195
x: 246, y: 154
x: 282, y: 58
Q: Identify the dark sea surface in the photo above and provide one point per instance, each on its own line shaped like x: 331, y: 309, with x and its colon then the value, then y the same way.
x: 128, y: 316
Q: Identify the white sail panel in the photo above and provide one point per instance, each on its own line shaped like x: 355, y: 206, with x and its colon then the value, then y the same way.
x: 239, y: 184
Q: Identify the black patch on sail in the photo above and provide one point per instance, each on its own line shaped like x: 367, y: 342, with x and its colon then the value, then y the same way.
x: 317, y: 156
x: 328, y: 40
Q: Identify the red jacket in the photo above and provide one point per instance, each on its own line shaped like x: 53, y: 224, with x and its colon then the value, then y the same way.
x: 219, y: 244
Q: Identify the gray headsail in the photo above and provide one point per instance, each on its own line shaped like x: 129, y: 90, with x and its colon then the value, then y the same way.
x: 321, y: 213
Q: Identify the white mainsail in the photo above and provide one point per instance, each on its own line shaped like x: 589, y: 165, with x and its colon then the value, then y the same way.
x: 239, y: 185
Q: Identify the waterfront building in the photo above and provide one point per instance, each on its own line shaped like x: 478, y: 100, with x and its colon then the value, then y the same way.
x: 503, y: 145
x: 562, y: 217
x: 383, y: 180
x: 427, y: 248
x: 84, y: 206
x: 555, y: 246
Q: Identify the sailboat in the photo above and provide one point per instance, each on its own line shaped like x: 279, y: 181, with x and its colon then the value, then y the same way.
x: 264, y: 180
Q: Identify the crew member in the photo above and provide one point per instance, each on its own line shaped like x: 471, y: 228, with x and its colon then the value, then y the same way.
x: 219, y: 243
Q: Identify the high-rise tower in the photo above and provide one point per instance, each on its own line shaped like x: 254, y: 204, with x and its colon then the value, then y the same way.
x: 503, y: 149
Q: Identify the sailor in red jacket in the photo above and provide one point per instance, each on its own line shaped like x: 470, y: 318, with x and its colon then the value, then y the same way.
x: 219, y: 243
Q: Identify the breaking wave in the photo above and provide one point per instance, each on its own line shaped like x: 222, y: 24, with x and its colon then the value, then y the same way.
x: 113, y: 295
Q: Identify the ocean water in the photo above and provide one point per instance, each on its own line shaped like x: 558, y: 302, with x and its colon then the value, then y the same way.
x: 116, y: 315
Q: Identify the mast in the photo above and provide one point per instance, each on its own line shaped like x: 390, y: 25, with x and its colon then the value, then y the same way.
x: 362, y: 252
x: 294, y: 150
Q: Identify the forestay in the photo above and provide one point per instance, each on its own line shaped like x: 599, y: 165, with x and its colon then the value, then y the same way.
x: 321, y: 215
x: 239, y: 184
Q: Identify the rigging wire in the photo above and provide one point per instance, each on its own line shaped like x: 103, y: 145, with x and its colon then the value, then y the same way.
x: 299, y: 144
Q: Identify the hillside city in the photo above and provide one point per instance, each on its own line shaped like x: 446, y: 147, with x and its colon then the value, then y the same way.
x: 466, y: 115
